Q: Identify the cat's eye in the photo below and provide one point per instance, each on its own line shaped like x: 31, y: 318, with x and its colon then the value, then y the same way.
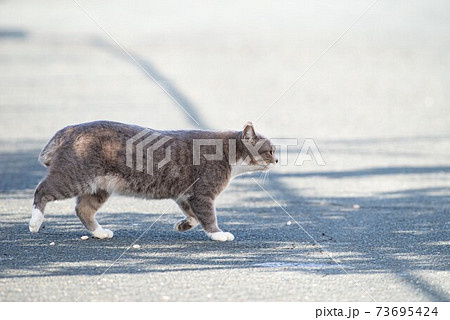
x: 271, y: 152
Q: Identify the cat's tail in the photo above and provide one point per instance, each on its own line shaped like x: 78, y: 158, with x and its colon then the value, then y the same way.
x: 46, y: 155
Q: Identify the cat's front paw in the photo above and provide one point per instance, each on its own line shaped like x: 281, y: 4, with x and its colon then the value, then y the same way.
x: 221, y: 236
x: 101, y: 233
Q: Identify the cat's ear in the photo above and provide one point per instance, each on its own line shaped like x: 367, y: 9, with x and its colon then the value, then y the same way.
x: 249, y: 132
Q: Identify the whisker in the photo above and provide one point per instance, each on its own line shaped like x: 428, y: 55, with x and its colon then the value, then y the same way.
x: 261, y: 174
x: 265, y: 175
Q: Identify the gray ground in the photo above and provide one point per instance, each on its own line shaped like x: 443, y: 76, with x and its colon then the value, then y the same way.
x: 376, y: 104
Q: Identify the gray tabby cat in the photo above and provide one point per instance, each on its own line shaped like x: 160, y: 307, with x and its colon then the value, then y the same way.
x: 92, y: 160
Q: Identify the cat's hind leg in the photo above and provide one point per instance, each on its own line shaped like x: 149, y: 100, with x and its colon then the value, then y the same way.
x: 86, y: 208
x: 190, y: 221
x: 50, y: 189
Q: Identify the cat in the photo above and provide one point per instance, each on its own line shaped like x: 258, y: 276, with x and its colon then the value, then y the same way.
x: 92, y: 160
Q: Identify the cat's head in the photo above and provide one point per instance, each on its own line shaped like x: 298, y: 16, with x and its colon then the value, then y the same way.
x: 256, y: 151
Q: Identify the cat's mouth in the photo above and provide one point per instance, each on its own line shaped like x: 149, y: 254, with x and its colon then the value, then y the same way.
x: 268, y: 166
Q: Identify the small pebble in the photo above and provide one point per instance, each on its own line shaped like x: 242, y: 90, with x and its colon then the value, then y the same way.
x: 52, y: 243
x: 84, y: 237
x: 289, y: 223
x: 136, y: 246
x: 356, y: 206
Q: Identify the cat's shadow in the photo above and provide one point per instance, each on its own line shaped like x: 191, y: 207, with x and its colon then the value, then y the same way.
x: 59, y: 250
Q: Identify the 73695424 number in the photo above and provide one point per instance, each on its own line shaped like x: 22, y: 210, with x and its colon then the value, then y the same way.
x: 406, y: 311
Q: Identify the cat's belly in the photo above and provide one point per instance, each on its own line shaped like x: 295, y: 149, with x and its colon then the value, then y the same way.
x: 118, y: 185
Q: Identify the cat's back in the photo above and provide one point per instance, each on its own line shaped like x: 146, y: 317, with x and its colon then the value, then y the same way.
x: 88, y: 140
x: 101, y: 128
x: 112, y: 129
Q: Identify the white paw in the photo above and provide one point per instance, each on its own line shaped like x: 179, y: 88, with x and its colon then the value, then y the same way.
x: 221, y: 236
x: 102, y: 233
x: 36, y: 220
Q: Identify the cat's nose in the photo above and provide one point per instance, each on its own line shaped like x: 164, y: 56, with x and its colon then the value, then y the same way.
x: 276, y: 160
